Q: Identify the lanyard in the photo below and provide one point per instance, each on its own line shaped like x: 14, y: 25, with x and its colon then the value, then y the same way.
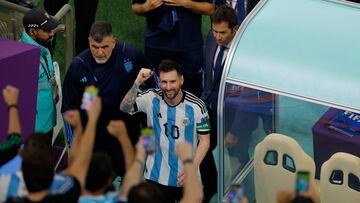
x: 46, y: 70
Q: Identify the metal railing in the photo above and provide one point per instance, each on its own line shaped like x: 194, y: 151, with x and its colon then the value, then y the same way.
x: 66, y: 12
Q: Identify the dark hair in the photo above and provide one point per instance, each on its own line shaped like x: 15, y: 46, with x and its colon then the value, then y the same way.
x: 300, y: 199
x: 167, y: 65
x: 225, y: 14
x: 37, y: 141
x: 38, y: 169
x: 146, y: 192
x: 99, y: 30
x: 99, y: 172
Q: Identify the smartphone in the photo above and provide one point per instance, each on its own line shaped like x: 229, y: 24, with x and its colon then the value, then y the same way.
x: 235, y: 193
x: 302, y: 181
x: 148, y: 140
x: 88, y: 97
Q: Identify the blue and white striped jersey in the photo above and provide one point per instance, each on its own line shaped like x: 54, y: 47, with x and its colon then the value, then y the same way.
x: 13, y: 185
x: 171, y: 124
x: 108, y: 197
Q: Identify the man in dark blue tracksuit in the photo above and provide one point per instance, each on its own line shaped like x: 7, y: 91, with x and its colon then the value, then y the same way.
x: 112, y: 67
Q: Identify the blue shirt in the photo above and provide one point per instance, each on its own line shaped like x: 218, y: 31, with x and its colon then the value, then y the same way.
x: 113, y: 79
x: 173, y: 28
x: 13, y: 185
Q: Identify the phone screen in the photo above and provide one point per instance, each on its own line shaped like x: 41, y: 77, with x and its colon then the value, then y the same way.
x: 149, y: 140
x: 88, y: 97
x: 235, y: 193
x: 302, y: 181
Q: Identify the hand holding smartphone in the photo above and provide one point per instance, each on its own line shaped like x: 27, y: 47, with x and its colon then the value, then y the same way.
x: 149, y: 140
x: 88, y: 97
x: 235, y: 193
x: 302, y: 182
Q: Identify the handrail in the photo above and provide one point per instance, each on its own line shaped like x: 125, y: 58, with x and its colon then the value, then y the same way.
x: 66, y: 11
x: 14, y: 6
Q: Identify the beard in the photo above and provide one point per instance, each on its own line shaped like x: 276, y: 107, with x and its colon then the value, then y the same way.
x: 171, y: 94
x: 101, y: 61
x: 44, y: 42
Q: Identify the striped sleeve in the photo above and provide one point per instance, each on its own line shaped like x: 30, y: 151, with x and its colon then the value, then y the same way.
x: 201, y: 114
x: 10, y: 147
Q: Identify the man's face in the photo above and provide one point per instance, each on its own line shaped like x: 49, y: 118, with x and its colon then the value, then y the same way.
x: 170, y: 83
x: 101, y: 51
x: 42, y: 37
x: 222, y: 33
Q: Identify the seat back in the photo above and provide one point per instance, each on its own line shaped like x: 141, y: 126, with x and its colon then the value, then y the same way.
x: 276, y: 160
x: 340, y: 179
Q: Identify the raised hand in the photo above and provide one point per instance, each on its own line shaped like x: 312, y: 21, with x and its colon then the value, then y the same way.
x: 140, y: 150
x: 117, y: 128
x: 11, y: 94
x: 143, y: 75
x: 73, y: 118
x: 95, y: 108
x: 183, y: 150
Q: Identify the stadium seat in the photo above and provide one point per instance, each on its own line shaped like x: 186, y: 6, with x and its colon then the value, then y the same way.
x: 276, y: 160
x: 339, y: 179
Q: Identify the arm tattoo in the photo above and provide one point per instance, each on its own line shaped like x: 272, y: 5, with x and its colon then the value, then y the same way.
x: 127, y: 104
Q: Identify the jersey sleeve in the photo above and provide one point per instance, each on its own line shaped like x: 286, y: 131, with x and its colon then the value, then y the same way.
x: 144, y: 101
x: 202, y: 120
x: 9, y: 148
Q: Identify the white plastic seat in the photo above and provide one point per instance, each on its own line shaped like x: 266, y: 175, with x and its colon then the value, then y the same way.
x: 276, y: 160
x: 339, y: 179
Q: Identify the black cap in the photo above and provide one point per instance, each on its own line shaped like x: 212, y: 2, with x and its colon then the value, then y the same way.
x: 39, y: 18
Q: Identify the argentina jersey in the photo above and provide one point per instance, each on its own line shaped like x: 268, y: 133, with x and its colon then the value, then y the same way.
x: 13, y: 185
x: 171, y: 124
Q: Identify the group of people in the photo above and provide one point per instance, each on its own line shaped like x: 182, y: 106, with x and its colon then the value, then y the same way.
x: 179, y: 109
x: 113, y: 66
x: 88, y: 176
x: 165, y: 84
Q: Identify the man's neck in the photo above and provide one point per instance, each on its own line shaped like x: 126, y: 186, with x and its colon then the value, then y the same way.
x: 38, y: 196
x: 228, y: 45
x: 176, y: 100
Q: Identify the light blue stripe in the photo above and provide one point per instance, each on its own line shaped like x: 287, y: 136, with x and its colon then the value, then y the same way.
x: 13, y: 186
x: 58, y: 181
x: 189, y: 129
x: 68, y: 131
x: 173, y: 160
x: 157, y: 129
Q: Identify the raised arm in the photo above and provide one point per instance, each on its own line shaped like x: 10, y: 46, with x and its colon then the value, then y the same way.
x: 80, y: 165
x: 118, y: 130
x: 205, y: 8
x: 134, y: 175
x: 201, y: 150
x: 73, y: 118
x: 10, y: 147
x: 192, y: 186
x: 11, y: 95
x: 127, y: 104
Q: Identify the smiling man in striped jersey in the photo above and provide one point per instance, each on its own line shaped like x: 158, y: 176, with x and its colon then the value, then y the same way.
x: 176, y: 116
